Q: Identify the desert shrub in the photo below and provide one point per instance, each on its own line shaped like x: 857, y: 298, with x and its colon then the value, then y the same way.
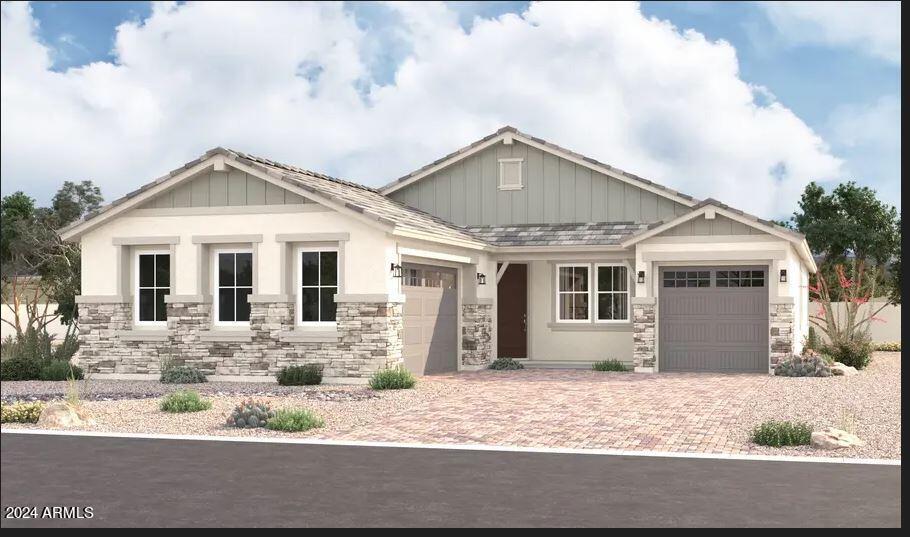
x: 854, y: 352
x: 397, y: 378
x: 300, y: 375
x: 24, y: 356
x: 250, y: 414
x: 506, y: 364
x: 782, y: 433
x: 67, y: 348
x: 812, y: 342
x: 60, y: 370
x: 888, y: 346
x: 184, y: 401
x: 295, y: 420
x: 810, y: 364
x: 181, y: 374
x: 21, y: 412
x: 610, y: 365
x: 19, y: 368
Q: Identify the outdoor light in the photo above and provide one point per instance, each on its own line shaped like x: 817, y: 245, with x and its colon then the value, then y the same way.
x: 783, y: 275
x: 481, y: 278
x: 396, y: 271
x: 641, y: 276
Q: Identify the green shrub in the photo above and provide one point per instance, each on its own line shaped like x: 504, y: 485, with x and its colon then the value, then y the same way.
x: 24, y: 356
x: 888, y: 346
x: 300, y: 375
x: 250, y: 414
x: 182, y: 374
x: 184, y: 401
x: 21, y: 412
x: 782, y: 433
x: 810, y: 364
x: 294, y: 421
x: 60, y: 370
x: 19, y: 368
x: 397, y: 378
x: 856, y: 352
x: 610, y: 365
x: 506, y: 364
x: 812, y: 342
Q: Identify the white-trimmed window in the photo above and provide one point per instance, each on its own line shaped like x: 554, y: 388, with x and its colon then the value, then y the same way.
x: 233, y: 286
x: 573, y: 295
x: 612, y: 293
x: 153, y: 282
x: 317, y: 284
x: 510, y: 174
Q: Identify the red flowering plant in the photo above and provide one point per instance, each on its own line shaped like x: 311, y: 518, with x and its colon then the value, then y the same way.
x: 846, y: 326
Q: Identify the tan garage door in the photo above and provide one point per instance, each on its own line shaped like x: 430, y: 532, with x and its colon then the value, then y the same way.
x: 430, y: 319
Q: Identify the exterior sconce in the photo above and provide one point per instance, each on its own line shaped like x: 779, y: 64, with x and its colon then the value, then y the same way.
x: 783, y: 275
x: 396, y: 271
x: 481, y: 278
x: 641, y: 276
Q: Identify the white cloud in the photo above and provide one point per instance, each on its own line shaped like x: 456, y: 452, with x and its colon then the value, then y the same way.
x: 286, y: 82
x: 872, y: 26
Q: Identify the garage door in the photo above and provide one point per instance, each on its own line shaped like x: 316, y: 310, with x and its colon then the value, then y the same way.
x: 430, y: 320
x: 713, y: 319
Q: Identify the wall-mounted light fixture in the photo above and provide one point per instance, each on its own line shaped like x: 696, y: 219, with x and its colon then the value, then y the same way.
x: 783, y: 275
x: 396, y: 271
x: 481, y: 278
x: 641, y: 276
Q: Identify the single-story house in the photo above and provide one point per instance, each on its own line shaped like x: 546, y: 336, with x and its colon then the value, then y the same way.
x: 509, y: 247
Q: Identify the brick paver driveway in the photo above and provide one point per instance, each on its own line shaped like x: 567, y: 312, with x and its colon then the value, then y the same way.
x: 690, y: 412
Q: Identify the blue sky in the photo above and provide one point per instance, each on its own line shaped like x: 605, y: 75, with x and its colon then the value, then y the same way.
x: 832, y: 85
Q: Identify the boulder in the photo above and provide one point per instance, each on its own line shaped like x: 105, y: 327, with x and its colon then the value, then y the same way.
x: 61, y: 414
x: 839, y: 369
x: 832, y: 438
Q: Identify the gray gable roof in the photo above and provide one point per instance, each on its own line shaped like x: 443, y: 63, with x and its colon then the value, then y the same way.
x: 721, y: 205
x: 595, y: 233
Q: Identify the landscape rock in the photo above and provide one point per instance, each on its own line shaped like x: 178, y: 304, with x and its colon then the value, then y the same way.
x: 832, y: 438
x: 61, y: 414
x: 839, y: 369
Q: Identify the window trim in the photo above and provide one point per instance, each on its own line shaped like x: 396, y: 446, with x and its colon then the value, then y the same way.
x: 215, y: 297
x: 627, y: 292
x: 298, y: 285
x: 136, y: 286
x: 559, y: 319
x: 520, y: 184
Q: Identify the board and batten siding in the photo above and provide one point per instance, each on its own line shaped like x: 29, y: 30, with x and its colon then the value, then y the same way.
x: 555, y: 190
x: 223, y: 189
x: 720, y: 225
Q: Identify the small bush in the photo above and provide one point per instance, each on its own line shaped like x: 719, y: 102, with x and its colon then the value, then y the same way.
x: 782, y: 433
x: 856, y: 353
x: 21, y: 412
x: 812, y: 342
x: 294, y: 421
x: 182, y: 374
x: 300, y: 375
x: 397, y: 378
x: 184, y: 401
x: 250, y: 414
x: 60, y: 370
x: 888, y: 346
x: 506, y: 364
x: 19, y: 368
x: 610, y: 365
x: 810, y: 364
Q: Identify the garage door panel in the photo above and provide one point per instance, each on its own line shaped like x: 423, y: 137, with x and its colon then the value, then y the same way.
x: 750, y: 305
x: 679, y: 333
x: 430, y: 319
x: 686, y: 303
x: 744, y: 333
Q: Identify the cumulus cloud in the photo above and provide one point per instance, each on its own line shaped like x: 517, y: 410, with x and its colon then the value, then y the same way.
x: 875, y: 27
x: 294, y: 82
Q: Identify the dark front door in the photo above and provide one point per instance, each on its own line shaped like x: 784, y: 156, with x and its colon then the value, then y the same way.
x: 512, y: 312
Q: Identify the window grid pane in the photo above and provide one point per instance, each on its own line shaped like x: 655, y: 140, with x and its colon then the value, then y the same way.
x: 153, y: 285
x: 319, y: 285
x: 235, y: 285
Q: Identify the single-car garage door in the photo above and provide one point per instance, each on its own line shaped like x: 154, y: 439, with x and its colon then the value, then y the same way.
x: 713, y: 319
x: 430, y: 320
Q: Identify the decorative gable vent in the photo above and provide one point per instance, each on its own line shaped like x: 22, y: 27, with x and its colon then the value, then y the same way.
x: 510, y: 174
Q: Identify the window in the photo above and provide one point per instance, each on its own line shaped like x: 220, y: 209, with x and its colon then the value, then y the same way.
x: 510, y: 174
x: 318, y: 286
x: 234, y: 285
x: 153, y: 282
x: 687, y: 278
x: 419, y: 277
x: 573, y: 293
x: 740, y: 278
x: 612, y: 293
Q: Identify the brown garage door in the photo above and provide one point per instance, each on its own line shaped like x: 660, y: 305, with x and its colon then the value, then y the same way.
x: 713, y: 319
x: 430, y: 320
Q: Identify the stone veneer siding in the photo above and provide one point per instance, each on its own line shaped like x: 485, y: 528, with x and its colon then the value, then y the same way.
x: 781, y: 332
x: 476, y: 334
x: 369, y: 339
x: 643, y: 331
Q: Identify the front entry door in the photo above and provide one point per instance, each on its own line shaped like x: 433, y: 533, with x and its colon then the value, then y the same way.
x: 512, y: 312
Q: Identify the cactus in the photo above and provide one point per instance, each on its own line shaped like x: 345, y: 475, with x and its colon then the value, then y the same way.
x: 250, y: 414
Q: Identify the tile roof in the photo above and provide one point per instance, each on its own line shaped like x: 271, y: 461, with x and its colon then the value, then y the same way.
x: 721, y: 205
x: 594, y: 233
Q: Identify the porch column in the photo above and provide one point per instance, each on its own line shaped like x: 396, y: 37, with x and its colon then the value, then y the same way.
x: 643, y: 330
